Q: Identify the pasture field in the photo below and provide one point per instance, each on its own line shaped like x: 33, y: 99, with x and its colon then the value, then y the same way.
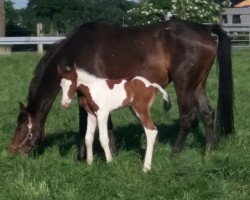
x: 52, y: 171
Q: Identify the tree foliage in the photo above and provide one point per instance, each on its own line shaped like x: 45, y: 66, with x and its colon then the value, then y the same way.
x: 149, y: 11
x: 11, y: 16
x: 64, y: 15
x: 199, y: 10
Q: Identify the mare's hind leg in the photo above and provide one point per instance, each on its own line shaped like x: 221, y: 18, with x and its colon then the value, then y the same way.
x: 207, y: 114
x: 186, y: 104
x: 141, y: 105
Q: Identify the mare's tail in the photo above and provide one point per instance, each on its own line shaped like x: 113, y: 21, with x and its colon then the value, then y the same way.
x: 167, y: 103
x: 225, y: 115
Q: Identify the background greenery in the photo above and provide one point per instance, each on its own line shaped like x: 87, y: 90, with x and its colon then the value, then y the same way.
x: 59, y: 17
x: 52, y: 171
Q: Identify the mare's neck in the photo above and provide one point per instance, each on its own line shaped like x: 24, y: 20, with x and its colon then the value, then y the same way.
x: 41, y: 99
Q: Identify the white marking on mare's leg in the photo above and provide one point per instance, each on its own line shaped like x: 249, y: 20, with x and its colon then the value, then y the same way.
x: 65, y: 85
x: 151, y: 137
x: 89, y: 137
x: 102, y: 117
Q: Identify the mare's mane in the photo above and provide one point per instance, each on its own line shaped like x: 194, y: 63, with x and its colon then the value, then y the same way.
x: 53, y: 56
x: 41, y: 68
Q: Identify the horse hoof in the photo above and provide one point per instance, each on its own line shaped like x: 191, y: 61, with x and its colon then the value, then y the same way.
x: 81, y: 157
x: 109, y: 160
x: 209, y: 148
x: 90, y: 162
x: 175, y: 151
x: 146, y: 169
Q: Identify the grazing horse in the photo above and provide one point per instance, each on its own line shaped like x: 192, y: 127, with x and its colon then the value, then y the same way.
x: 175, y: 50
x: 100, y: 96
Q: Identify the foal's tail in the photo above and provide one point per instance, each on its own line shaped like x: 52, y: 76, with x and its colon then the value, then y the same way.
x: 225, y: 116
x: 167, y: 103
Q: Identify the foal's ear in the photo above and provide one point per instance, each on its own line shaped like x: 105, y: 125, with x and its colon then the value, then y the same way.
x: 22, y: 107
x: 68, y: 69
x: 75, y: 66
x: 59, y: 69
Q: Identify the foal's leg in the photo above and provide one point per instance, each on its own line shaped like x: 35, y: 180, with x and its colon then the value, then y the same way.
x: 89, y: 137
x: 141, y: 105
x: 82, y: 132
x: 207, y: 113
x: 102, y: 117
x: 186, y: 104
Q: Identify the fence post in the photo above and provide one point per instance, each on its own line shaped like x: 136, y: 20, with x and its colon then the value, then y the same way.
x: 39, y: 29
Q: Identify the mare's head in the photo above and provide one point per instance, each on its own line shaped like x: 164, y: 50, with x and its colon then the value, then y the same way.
x: 28, y: 133
x: 68, y: 84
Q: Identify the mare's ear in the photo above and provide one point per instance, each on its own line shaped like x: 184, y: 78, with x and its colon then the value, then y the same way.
x: 22, y: 107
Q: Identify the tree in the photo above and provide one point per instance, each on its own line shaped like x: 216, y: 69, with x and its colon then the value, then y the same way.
x: 112, y: 12
x: 58, y: 16
x: 199, y: 10
x: 11, y: 17
x: 2, y: 19
x: 147, y: 12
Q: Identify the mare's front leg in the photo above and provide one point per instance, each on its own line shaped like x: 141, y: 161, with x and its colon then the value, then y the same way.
x: 102, y: 117
x: 82, y: 132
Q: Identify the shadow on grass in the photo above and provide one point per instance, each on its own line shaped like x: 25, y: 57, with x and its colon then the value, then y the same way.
x: 64, y: 140
x: 126, y: 137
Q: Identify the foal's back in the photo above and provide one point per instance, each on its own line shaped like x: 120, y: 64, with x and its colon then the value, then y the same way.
x: 113, y: 94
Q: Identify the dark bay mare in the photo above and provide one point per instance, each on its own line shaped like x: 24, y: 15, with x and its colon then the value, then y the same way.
x: 175, y: 50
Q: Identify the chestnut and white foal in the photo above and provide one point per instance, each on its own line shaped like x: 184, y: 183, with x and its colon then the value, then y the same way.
x: 101, y: 96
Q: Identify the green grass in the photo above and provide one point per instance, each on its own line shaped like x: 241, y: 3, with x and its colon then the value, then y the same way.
x: 52, y: 171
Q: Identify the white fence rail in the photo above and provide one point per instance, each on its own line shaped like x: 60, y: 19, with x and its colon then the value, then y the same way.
x: 39, y: 41
x: 28, y: 40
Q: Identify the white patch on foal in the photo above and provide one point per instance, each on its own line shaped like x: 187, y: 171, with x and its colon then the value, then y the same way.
x: 65, y: 85
x: 107, y: 99
x: 151, y: 137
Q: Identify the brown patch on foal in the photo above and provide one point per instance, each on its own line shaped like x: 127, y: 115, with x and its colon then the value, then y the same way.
x: 143, y: 98
x: 130, y: 89
x: 111, y: 83
x: 90, y: 102
x: 84, y: 103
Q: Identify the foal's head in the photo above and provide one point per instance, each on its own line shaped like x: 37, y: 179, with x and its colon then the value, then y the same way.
x: 68, y: 84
